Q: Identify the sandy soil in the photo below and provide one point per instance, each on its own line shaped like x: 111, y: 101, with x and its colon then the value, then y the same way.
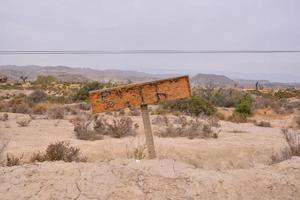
x: 148, y: 179
x: 240, y: 164
x: 238, y: 145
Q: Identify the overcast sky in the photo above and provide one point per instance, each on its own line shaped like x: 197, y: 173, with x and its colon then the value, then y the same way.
x: 156, y: 24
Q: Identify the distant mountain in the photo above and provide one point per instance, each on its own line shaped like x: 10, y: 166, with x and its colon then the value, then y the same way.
x: 207, y: 79
x: 68, y: 74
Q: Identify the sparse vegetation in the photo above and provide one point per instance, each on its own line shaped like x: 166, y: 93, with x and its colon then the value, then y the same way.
x: 196, y: 105
x: 138, y: 153
x: 182, y: 127
x: 12, y: 160
x: 23, y: 122
x: 263, y: 124
x: 293, y: 139
x: 56, y: 113
x: 238, y: 117
x: 59, y: 151
x: 4, y: 117
x: 120, y: 127
x: 37, y: 96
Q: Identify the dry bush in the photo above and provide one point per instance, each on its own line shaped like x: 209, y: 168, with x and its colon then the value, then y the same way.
x: 263, y: 124
x: 238, y: 118
x: 39, y: 109
x: 138, y: 153
x: 37, y: 96
x: 12, y: 160
x: 59, y: 151
x: 23, y: 122
x: 159, y: 120
x: 83, y: 132
x: 56, y: 113
x: 293, y: 139
x: 181, y: 127
x: 3, y: 145
x: 120, y: 127
x: 4, y: 117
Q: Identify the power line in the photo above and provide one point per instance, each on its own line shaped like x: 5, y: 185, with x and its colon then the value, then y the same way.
x: 128, y: 52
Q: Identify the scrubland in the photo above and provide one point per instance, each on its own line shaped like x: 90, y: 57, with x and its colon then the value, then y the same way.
x: 222, y: 143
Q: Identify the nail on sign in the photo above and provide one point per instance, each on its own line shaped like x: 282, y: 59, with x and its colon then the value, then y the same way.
x: 135, y: 95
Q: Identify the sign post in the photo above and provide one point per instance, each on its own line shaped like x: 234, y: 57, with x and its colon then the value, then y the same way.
x: 141, y: 95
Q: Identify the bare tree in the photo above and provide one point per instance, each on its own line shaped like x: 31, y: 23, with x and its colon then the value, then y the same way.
x: 23, y: 78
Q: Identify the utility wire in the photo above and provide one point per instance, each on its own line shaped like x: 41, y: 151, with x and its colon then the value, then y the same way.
x: 152, y: 52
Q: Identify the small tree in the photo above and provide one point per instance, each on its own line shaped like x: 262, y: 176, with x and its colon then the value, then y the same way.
x: 23, y: 78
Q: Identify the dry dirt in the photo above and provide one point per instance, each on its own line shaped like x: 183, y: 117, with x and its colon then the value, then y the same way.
x: 148, y: 179
x: 237, y: 165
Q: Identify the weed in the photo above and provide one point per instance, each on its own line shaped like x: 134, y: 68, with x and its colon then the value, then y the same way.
x: 11, y: 160
x: 23, y: 122
x: 138, y: 153
x: 263, y: 124
x: 56, y: 113
x: 59, y: 151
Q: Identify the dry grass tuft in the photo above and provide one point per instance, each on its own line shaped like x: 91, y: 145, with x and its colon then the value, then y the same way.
x: 263, y: 124
x: 138, y: 153
x: 293, y: 139
x: 4, y: 117
x: 56, y: 113
x: 11, y: 160
x: 59, y: 151
x: 23, y: 122
x: 182, y: 127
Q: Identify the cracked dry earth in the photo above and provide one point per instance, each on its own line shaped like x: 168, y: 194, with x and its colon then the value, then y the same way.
x: 148, y: 179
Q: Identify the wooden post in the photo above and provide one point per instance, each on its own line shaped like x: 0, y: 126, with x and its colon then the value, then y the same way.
x: 148, y: 131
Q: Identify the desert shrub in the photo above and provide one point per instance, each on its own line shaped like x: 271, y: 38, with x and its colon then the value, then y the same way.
x: 186, y: 128
x: 37, y: 96
x: 44, y: 81
x: 4, y: 117
x: 23, y: 122
x: 83, y: 132
x: 12, y: 160
x: 159, y: 120
x: 244, y: 105
x: 83, y: 93
x: 293, y: 139
x: 3, y: 145
x: 238, y: 117
x: 39, y: 109
x: 138, y: 153
x: 56, y: 113
x: 59, y: 151
x: 120, y: 127
x: 263, y: 124
x: 196, y: 105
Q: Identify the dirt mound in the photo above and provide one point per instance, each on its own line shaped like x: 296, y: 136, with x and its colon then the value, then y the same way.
x: 148, y: 179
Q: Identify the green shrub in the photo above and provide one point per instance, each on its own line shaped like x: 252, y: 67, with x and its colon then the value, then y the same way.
x: 195, y: 105
x: 245, y: 105
x: 83, y: 93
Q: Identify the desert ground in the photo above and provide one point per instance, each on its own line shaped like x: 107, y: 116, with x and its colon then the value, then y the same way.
x: 244, y: 161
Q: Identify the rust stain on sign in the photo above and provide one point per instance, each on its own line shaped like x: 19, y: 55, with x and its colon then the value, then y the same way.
x: 134, y: 95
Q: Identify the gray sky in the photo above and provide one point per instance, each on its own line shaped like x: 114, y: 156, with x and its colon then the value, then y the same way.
x: 156, y: 24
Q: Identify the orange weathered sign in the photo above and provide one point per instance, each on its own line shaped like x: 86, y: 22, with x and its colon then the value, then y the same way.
x: 135, y: 95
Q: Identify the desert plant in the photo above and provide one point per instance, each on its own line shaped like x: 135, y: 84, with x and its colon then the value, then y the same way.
x: 4, y: 117
x: 37, y: 96
x: 56, y: 113
x: 12, y: 160
x: 82, y: 131
x: 138, y: 153
x: 83, y: 93
x: 263, y: 124
x: 293, y: 139
x: 196, y: 105
x: 59, y: 151
x: 134, y: 112
x: 120, y: 127
x: 244, y: 106
x: 193, y: 128
x: 23, y: 122
x: 238, y: 117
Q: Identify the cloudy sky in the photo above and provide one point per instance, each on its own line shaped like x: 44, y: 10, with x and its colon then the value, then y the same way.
x: 157, y: 24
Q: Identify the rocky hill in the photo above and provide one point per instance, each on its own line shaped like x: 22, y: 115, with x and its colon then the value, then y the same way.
x: 208, y: 79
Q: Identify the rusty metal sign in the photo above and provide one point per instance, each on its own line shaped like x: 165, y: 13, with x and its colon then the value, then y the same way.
x: 135, y: 95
